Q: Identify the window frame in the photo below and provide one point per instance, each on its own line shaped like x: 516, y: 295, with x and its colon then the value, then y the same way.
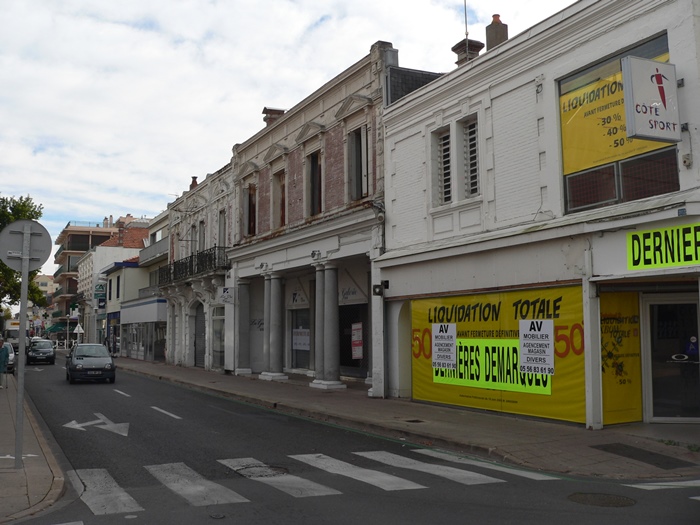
x: 314, y: 176
x: 358, y: 166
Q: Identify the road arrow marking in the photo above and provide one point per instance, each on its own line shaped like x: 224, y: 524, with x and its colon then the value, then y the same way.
x: 102, y: 422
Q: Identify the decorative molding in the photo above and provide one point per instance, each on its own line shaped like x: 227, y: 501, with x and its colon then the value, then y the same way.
x: 247, y: 168
x: 352, y: 104
x: 309, y: 130
x: 275, y: 151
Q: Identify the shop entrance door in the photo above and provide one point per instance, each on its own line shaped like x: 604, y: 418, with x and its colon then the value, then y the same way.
x: 672, y: 371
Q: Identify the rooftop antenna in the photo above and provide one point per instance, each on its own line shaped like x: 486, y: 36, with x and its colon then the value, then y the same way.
x: 466, y: 29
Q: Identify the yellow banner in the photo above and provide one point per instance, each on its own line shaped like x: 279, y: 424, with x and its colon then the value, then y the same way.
x: 483, y: 370
x: 594, y: 127
x: 620, y: 356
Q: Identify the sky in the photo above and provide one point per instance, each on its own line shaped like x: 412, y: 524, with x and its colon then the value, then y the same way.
x: 110, y: 108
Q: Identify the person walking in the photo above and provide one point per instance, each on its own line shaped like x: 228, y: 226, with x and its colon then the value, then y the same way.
x: 4, y: 358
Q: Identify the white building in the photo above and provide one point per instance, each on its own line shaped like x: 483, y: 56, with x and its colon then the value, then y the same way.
x: 515, y: 193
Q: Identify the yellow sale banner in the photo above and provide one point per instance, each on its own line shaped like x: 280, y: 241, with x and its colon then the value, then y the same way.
x: 620, y: 347
x: 594, y: 126
x: 483, y: 367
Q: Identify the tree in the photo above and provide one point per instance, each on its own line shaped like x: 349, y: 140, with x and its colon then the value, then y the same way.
x: 14, y: 209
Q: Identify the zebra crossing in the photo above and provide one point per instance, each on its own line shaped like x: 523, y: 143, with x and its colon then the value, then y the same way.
x: 102, y: 494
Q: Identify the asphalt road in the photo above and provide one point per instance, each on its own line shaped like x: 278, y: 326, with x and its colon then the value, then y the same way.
x: 156, y: 453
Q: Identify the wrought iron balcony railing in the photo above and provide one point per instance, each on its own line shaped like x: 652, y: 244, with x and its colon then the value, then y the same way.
x: 197, y: 264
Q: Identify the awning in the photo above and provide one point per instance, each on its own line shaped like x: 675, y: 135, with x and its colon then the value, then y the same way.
x: 59, y: 327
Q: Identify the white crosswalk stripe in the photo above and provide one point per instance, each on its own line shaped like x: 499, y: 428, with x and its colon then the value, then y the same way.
x: 187, y: 483
x: 373, y: 477
x: 454, y: 474
x: 491, y: 466
x: 101, y: 493
x: 293, y: 485
x: 658, y: 485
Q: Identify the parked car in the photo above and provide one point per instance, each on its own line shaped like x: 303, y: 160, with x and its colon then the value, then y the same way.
x: 41, y: 351
x: 12, y: 358
x: 90, y: 362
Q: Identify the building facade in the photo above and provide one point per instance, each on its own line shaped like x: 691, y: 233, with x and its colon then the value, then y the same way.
x: 541, y: 255
x: 193, y: 281
x: 309, y: 191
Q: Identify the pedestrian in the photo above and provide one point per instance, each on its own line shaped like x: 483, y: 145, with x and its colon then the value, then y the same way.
x: 4, y: 358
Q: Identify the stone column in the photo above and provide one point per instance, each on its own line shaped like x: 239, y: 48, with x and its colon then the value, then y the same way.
x: 319, y: 327
x: 331, y: 342
x: 274, y: 328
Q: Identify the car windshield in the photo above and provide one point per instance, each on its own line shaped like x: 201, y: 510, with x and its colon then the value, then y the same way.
x: 91, y: 351
x: 43, y: 345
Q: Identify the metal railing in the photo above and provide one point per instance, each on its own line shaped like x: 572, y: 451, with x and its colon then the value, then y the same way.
x: 199, y: 263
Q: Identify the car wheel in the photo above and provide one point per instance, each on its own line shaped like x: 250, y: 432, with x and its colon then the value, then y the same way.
x: 70, y: 379
x: 53, y: 361
x: 112, y: 379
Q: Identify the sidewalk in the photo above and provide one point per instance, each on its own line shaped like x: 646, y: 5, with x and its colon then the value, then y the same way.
x: 631, y: 452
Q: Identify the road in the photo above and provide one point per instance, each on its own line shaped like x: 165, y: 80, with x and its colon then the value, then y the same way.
x: 157, y: 453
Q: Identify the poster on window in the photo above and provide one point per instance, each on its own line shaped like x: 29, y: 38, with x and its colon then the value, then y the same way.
x: 301, y: 339
x: 357, y: 341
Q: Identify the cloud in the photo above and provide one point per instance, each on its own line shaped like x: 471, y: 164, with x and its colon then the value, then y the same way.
x: 112, y: 107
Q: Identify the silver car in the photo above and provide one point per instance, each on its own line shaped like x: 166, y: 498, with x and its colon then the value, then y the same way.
x: 12, y: 359
x: 90, y: 362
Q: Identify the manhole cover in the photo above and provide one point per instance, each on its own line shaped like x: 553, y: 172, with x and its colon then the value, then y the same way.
x: 601, y: 500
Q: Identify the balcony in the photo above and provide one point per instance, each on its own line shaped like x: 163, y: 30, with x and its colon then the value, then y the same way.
x: 208, y: 261
x: 155, y: 252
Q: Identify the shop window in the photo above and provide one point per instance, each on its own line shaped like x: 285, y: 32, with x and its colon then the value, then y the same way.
x: 602, y: 166
x: 218, y: 334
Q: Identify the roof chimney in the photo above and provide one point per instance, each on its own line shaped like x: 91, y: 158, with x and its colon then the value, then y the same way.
x: 496, y: 32
x: 467, y: 50
x: 193, y: 184
x: 271, y: 115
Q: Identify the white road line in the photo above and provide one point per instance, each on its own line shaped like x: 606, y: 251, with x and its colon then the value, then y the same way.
x: 514, y: 471
x: 189, y: 485
x: 454, y: 474
x: 373, y: 477
x: 122, y: 393
x: 166, y: 413
x: 101, y: 493
x: 667, y: 485
x: 295, y: 486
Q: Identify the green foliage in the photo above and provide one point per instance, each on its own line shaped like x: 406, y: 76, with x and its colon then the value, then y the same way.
x: 14, y: 209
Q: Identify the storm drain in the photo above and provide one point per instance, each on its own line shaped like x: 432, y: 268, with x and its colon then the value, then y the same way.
x: 645, y: 456
x: 601, y: 500
x: 414, y: 421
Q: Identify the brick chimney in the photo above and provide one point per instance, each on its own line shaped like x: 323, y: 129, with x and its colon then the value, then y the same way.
x: 467, y: 50
x: 496, y: 32
x: 271, y: 115
x: 193, y: 184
